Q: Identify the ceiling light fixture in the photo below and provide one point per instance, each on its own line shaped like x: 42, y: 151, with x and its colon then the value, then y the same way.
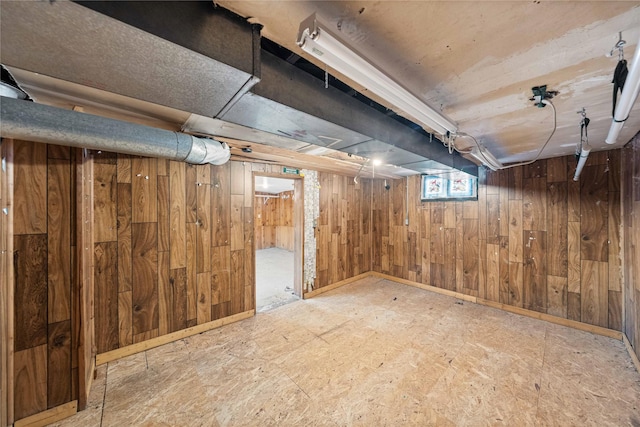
x: 315, y: 38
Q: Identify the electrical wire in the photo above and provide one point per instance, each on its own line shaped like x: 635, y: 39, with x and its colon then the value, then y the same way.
x: 555, y: 125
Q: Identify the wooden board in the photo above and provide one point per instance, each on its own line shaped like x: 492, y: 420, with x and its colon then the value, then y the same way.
x: 30, y: 261
x: 594, y: 214
x: 59, y: 376
x: 177, y: 215
x: 144, y: 189
x: 106, y: 294
x: 125, y: 272
x: 59, y: 240
x: 30, y: 188
x: 145, y: 291
x: 105, y: 191
x: 30, y: 381
x: 594, y: 293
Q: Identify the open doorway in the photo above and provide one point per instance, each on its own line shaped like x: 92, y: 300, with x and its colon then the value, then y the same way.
x: 277, y: 241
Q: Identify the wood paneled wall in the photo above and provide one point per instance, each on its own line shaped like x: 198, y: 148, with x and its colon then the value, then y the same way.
x: 46, y: 283
x: 534, y: 238
x: 173, y: 246
x: 274, y: 221
x: 343, y: 232
x: 6, y: 282
x: 631, y: 236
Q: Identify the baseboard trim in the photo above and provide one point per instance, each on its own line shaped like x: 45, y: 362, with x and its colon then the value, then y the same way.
x: 632, y: 353
x: 599, y: 330
x: 335, y: 285
x: 49, y: 416
x: 430, y: 288
x: 119, y: 353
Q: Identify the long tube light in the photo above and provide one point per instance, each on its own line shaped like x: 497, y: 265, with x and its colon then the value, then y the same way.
x: 315, y: 38
x: 485, y: 157
x: 627, y: 98
x: 584, y: 153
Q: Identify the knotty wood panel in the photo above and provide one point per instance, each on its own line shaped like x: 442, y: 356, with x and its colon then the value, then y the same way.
x: 30, y: 264
x: 58, y: 366
x: 145, y: 288
x: 530, y: 227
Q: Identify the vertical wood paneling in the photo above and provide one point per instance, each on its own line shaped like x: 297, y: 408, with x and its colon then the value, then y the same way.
x: 58, y: 366
x: 177, y: 215
x: 59, y: 240
x: 145, y: 270
x: 630, y: 195
x: 557, y: 229
x: 30, y: 188
x: 532, y: 238
x: 594, y: 293
x: 106, y: 288
x: 30, y: 382
x: 104, y: 208
x: 125, y: 270
x: 144, y: 189
x: 594, y: 211
x: 203, y: 233
x: 30, y: 266
x: 163, y: 213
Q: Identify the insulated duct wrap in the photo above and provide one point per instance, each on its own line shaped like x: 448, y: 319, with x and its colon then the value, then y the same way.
x: 50, y: 125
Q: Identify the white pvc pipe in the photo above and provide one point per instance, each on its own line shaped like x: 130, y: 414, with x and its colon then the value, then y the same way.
x: 627, y: 98
x: 584, y: 153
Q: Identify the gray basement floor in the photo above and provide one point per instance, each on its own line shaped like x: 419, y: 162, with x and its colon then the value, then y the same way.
x: 373, y: 353
x: 274, y: 278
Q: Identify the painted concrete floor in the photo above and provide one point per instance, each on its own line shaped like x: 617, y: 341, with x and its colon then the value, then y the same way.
x: 274, y: 278
x: 373, y: 353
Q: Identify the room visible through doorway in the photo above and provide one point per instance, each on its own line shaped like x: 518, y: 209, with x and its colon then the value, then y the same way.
x: 274, y: 221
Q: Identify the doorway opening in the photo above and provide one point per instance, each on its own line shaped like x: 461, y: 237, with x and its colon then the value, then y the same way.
x: 278, y: 241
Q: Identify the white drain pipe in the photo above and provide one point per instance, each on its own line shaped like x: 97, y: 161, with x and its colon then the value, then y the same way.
x: 51, y: 125
x: 627, y: 98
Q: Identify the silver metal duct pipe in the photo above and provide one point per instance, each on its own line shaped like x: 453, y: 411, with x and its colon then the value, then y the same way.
x: 51, y: 125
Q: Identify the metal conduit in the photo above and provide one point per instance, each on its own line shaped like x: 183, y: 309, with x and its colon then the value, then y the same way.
x: 51, y: 125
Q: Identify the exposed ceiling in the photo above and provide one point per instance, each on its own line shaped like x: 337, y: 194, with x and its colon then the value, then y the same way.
x: 180, y: 66
x: 478, y: 60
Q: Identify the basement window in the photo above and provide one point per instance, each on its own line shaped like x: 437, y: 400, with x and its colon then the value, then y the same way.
x: 452, y: 186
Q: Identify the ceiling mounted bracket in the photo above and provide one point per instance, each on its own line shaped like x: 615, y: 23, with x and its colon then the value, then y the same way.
x: 540, y: 93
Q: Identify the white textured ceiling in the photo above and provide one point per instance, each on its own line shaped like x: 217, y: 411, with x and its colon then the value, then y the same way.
x: 477, y: 61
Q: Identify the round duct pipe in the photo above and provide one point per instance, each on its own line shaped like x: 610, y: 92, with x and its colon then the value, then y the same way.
x: 51, y: 125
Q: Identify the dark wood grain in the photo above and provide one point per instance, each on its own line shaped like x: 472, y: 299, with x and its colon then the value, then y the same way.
x: 30, y: 295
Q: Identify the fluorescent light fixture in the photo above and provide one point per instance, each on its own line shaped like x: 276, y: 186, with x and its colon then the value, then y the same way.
x: 627, y: 98
x: 584, y: 153
x: 315, y: 38
x: 377, y: 162
x: 486, y: 158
